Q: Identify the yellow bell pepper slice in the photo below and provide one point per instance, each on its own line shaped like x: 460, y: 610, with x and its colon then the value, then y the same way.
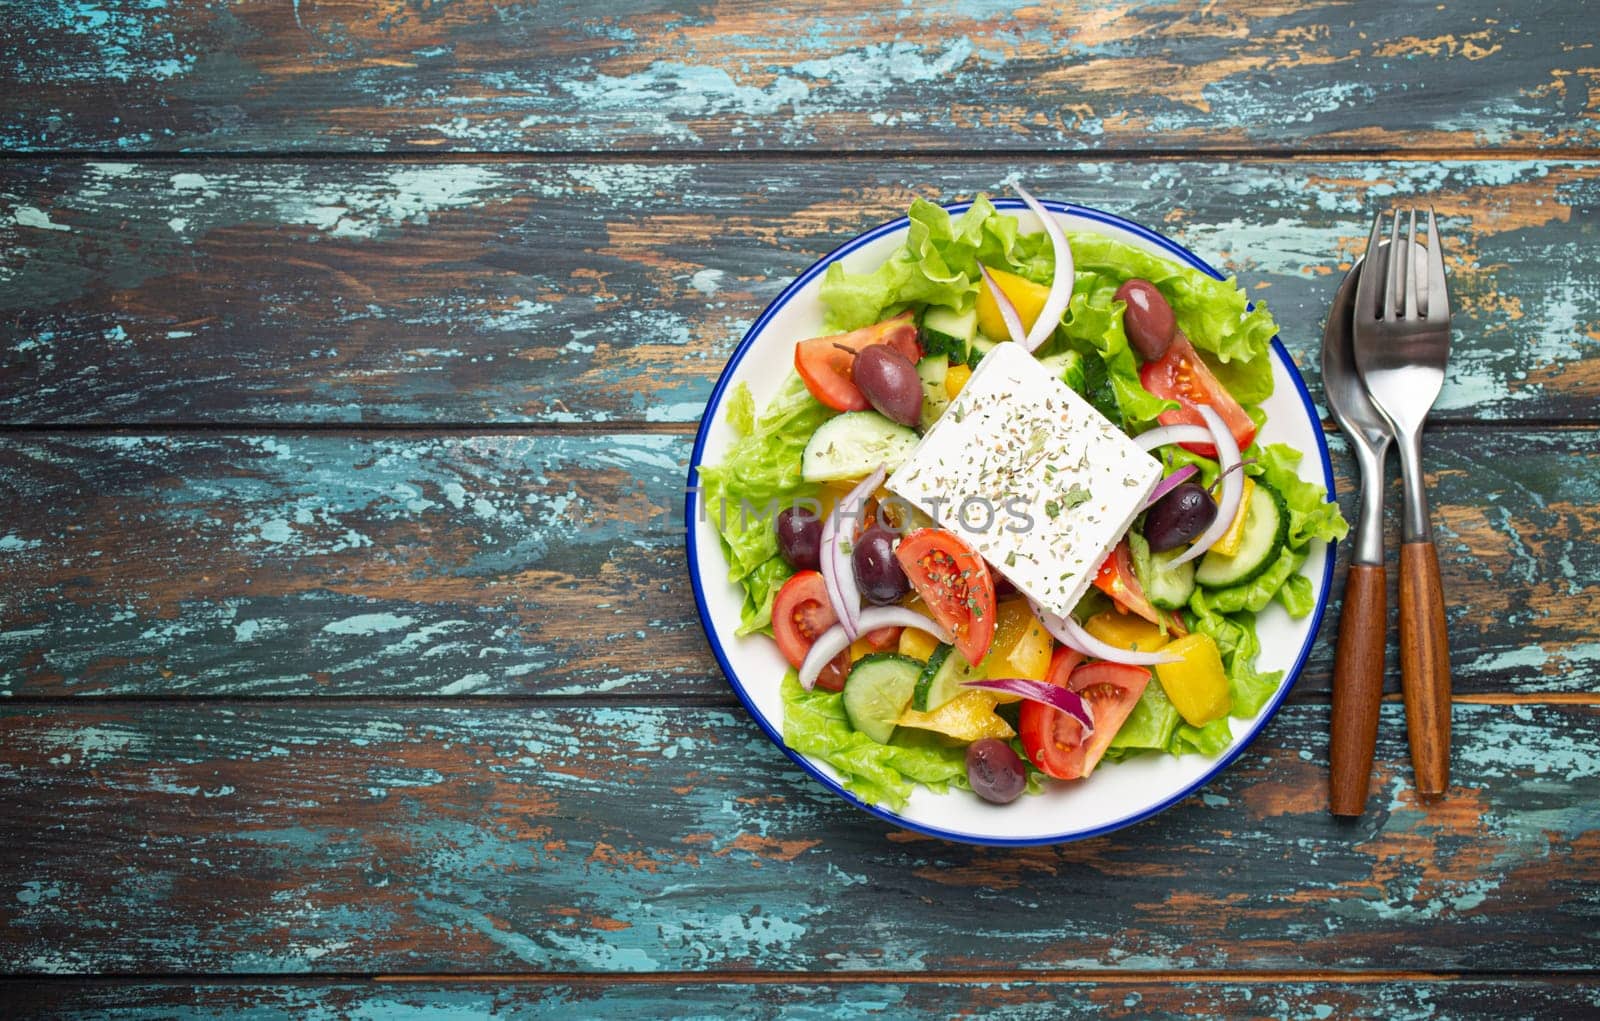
x: 1126, y: 631
x: 1228, y: 545
x: 1196, y: 683
x: 967, y: 717
x: 1027, y: 298
x: 1021, y: 646
x: 917, y: 643
x: 955, y: 379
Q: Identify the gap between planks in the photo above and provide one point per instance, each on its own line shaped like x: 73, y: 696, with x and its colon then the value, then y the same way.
x: 660, y: 156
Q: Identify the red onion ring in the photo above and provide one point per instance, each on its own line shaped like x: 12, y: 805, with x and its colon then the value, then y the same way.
x: 1170, y: 483
x: 1232, y: 486
x: 834, y: 640
x: 842, y: 588
x: 1069, y: 702
x: 831, y: 569
x: 1008, y: 311
x: 1161, y: 436
x: 1055, y: 305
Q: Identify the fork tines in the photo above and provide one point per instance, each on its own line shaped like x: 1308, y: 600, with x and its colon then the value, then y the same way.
x: 1406, y: 291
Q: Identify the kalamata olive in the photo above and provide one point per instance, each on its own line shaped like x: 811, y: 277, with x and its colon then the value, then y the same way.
x: 1148, y: 319
x: 878, y: 573
x: 995, y: 771
x: 889, y: 380
x: 1178, y: 517
x: 800, y: 538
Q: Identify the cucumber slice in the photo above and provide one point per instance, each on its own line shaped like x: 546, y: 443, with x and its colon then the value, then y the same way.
x: 1068, y: 367
x: 1266, y: 531
x: 942, y: 678
x: 981, y: 346
x: 877, y: 691
x: 1169, y: 587
x: 935, y: 399
x: 852, y: 445
x: 948, y: 332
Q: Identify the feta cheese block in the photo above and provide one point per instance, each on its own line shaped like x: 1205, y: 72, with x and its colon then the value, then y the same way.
x: 1031, y: 475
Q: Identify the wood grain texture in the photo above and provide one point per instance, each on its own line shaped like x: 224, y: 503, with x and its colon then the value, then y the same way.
x: 356, y: 564
x: 381, y: 838
x: 1357, y: 683
x: 418, y: 293
x: 1147, y: 999
x: 1425, y: 666
x: 324, y: 75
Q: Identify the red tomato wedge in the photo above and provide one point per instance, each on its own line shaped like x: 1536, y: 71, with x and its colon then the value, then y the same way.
x: 1117, y: 580
x: 882, y: 639
x: 825, y: 363
x: 1181, y: 376
x: 954, y: 582
x: 1054, y: 741
x: 800, y: 612
x: 1062, y: 662
x: 832, y: 676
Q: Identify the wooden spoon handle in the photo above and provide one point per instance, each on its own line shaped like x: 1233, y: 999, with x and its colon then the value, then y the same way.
x: 1357, y: 688
x: 1425, y: 666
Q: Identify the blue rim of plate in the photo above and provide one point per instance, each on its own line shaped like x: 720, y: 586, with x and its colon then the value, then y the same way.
x: 1178, y: 252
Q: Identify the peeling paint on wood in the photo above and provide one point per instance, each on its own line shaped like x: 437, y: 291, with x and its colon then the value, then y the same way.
x: 1163, y: 998
x: 473, y: 75
x: 383, y: 838
x: 637, y: 821
x: 421, y: 293
x: 216, y: 565
x: 335, y: 564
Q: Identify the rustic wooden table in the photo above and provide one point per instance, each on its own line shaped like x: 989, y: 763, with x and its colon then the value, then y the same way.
x: 349, y: 363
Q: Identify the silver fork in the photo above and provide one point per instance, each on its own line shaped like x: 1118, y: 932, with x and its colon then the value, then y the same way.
x: 1401, y: 331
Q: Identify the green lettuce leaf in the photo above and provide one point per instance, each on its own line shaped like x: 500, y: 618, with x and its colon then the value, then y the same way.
x: 1151, y: 725
x: 1250, y: 382
x: 1211, y: 739
x: 742, y: 410
x: 814, y: 723
x: 1094, y: 320
x: 1311, y: 514
x: 1155, y: 725
x: 761, y: 588
x: 1297, y: 596
x: 938, y: 265
x: 760, y: 476
x: 1213, y: 313
x: 1236, y: 640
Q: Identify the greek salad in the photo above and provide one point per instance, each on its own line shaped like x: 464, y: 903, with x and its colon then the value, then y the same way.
x: 1009, y: 521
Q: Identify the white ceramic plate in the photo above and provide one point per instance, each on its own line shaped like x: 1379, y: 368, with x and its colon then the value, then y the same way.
x: 1114, y: 796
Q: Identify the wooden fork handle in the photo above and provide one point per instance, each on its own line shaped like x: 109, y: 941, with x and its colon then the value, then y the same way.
x: 1357, y: 687
x: 1425, y: 667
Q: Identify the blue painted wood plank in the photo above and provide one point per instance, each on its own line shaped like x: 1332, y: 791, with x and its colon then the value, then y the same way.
x: 345, y: 564
x: 398, y: 837
x: 358, y: 564
x: 954, y: 74
x: 1157, y: 998
x: 417, y: 293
